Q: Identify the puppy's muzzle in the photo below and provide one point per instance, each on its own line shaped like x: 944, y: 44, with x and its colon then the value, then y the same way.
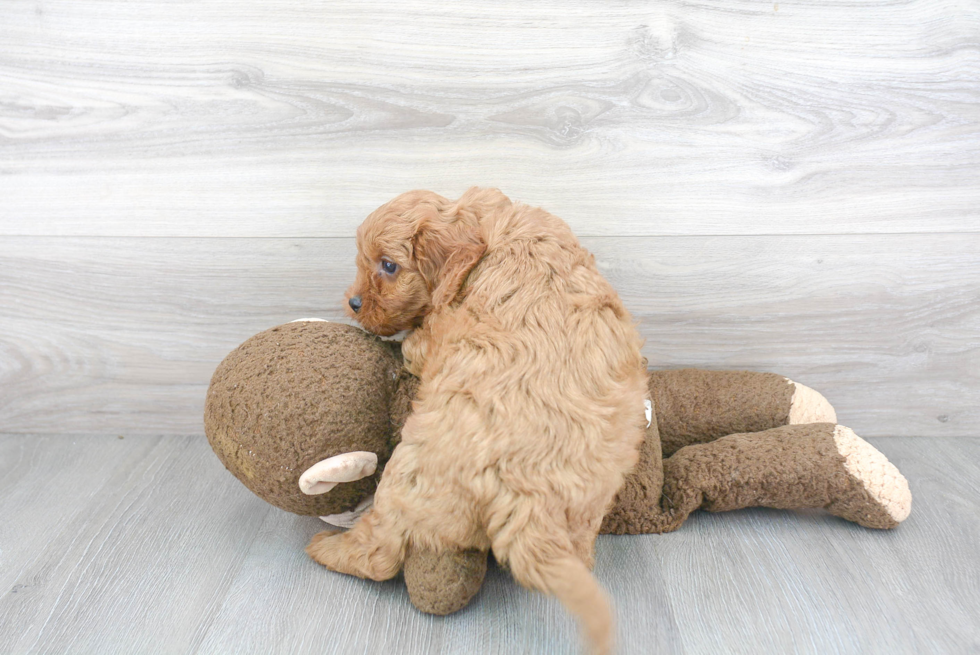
x: 355, y: 303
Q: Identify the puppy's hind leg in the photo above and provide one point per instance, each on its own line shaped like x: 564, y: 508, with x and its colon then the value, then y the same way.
x: 371, y: 549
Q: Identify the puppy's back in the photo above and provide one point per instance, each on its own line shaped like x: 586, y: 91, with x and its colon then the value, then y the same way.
x: 542, y: 362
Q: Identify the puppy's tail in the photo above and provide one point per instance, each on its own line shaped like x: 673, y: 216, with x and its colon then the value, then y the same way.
x: 566, y: 577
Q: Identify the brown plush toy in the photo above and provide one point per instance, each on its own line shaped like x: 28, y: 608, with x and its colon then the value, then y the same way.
x: 307, y: 414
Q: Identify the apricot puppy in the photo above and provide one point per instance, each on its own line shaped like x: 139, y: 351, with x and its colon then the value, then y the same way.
x: 530, y: 408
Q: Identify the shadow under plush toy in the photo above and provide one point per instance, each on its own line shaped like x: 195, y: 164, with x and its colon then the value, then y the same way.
x: 307, y: 414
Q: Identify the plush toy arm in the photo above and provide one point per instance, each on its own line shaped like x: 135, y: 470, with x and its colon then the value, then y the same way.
x: 817, y: 465
x: 443, y: 582
x: 697, y: 406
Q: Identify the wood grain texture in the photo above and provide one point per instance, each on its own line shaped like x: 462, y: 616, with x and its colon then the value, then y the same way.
x: 112, y: 545
x: 122, y: 335
x: 147, y: 544
x: 294, y: 119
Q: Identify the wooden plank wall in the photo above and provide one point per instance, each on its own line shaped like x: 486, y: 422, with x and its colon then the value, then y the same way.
x: 791, y: 187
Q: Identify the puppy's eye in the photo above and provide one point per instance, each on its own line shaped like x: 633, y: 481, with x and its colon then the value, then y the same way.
x: 389, y: 267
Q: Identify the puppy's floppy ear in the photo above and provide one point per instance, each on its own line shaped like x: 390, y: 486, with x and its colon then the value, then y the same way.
x: 446, y: 245
x: 461, y: 261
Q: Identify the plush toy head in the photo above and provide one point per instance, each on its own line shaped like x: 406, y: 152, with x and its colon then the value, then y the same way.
x: 298, y: 394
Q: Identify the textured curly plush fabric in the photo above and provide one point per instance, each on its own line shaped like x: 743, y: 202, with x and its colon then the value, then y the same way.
x: 302, y: 392
x: 636, y: 509
x: 299, y: 393
x: 816, y: 465
x: 791, y: 467
x: 767, y: 463
x: 696, y: 406
x: 442, y: 583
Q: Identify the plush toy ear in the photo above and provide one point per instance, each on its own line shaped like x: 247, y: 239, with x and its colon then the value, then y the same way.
x: 461, y: 261
x: 348, y: 519
x: 346, y: 467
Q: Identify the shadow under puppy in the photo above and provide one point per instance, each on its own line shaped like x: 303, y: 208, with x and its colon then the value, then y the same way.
x: 530, y: 406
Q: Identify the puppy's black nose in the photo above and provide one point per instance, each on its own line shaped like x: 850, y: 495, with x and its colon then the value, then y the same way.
x: 355, y: 303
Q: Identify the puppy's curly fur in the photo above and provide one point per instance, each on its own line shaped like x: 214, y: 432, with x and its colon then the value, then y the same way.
x: 530, y: 408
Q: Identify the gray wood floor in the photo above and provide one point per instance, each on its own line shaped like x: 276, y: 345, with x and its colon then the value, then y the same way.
x: 146, y: 544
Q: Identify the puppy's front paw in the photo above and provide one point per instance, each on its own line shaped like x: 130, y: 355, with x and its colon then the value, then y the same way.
x: 413, y: 352
x: 323, y: 545
x: 413, y: 368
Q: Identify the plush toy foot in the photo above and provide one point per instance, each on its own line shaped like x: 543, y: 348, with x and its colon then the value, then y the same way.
x: 809, y: 406
x: 881, y: 497
x: 696, y: 406
x: 814, y: 465
x: 443, y: 582
x: 348, y: 519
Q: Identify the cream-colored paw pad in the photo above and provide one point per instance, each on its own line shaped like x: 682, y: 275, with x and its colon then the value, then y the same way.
x: 809, y: 406
x: 879, y: 476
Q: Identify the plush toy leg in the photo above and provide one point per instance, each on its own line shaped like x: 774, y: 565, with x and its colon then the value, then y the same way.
x: 696, y: 406
x: 443, y: 582
x: 818, y: 465
x: 637, y: 508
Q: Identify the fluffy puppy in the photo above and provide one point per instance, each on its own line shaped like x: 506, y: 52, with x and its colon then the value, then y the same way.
x: 530, y: 407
